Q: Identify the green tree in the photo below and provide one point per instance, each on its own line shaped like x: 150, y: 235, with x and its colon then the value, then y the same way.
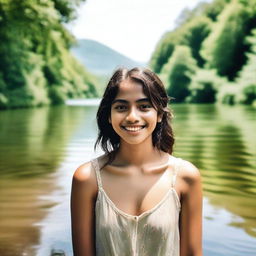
x: 204, y: 86
x: 228, y: 93
x: 178, y: 72
x: 247, y: 76
x: 212, y: 10
x: 164, y: 50
x: 224, y: 49
x: 192, y: 27
x: 36, y: 66
x: 194, y: 33
x: 207, y: 9
x: 191, y: 34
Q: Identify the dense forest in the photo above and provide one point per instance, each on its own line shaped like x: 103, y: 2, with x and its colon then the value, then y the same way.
x: 210, y: 56
x: 36, y: 66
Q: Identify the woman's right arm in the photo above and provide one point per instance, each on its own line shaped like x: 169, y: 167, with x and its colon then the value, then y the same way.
x: 82, y: 211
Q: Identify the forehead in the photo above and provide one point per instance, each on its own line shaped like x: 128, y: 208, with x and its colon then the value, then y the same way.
x: 129, y: 89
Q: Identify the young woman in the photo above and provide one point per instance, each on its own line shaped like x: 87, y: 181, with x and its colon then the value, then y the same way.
x: 136, y: 199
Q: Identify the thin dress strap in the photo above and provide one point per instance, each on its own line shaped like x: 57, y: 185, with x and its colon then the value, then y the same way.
x: 96, y: 167
x: 176, y: 169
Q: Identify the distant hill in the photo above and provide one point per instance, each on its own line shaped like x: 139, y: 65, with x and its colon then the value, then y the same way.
x: 99, y: 58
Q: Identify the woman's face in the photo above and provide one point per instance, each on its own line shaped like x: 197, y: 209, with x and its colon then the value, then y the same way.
x: 132, y: 116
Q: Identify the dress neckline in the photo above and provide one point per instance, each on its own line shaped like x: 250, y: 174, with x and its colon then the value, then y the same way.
x: 171, y: 190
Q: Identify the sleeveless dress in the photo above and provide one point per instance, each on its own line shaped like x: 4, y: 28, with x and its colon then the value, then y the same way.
x: 155, y: 232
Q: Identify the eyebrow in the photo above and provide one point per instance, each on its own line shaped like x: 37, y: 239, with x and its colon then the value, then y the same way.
x: 127, y: 102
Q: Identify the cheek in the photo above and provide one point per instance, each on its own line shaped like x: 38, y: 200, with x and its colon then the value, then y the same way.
x: 115, y: 119
x: 151, y: 117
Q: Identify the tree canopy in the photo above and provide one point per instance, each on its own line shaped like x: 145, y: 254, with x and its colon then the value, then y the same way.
x: 178, y: 71
x: 36, y: 66
x: 220, y: 36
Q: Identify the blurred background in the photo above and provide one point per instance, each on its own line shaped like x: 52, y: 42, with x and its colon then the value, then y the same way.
x: 56, y: 57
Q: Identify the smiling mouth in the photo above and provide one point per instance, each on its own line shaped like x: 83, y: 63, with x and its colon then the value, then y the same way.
x: 133, y: 128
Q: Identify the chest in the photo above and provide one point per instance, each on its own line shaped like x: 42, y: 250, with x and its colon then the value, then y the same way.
x: 153, y: 232
x: 138, y: 193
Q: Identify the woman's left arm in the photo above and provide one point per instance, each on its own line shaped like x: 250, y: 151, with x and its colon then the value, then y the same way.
x: 191, y: 211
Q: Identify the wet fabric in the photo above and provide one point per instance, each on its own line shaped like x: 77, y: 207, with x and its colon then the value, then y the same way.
x: 153, y: 233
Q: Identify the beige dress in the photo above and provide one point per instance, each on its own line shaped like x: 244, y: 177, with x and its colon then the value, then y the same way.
x: 153, y: 233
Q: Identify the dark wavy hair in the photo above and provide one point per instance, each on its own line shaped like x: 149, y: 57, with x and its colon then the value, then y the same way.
x: 154, y: 89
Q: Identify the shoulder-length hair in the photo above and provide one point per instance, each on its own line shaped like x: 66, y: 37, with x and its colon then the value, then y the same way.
x: 153, y: 88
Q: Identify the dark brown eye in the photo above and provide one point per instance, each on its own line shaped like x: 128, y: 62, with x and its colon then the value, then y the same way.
x: 120, y: 107
x: 145, y: 106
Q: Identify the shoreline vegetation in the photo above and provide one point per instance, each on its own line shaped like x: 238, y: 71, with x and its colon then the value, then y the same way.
x: 36, y: 66
x: 211, y: 54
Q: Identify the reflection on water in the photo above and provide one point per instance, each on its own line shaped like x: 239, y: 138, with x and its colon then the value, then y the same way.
x: 221, y: 141
x: 33, y: 146
x: 40, y: 148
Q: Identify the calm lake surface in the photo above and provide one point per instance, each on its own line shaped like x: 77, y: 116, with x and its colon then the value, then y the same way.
x: 41, y: 148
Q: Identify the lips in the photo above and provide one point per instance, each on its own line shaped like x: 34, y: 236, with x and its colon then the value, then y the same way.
x: 133, y: 128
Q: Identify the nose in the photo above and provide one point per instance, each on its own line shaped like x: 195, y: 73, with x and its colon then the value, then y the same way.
x: 132, y: 116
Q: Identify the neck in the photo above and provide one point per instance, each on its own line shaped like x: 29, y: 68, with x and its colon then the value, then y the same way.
x: 138, y: 154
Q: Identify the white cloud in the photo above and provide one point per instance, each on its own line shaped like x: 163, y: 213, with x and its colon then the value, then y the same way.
x: 132, y: 27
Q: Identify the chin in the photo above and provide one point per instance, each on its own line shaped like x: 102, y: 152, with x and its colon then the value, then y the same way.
x: 136, y: 141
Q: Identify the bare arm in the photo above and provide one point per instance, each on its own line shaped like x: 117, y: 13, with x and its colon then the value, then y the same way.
x: 191, y: 212
x: 82, y: 211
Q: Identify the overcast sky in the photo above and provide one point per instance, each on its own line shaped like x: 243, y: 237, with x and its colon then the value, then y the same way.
x: 132, y: 27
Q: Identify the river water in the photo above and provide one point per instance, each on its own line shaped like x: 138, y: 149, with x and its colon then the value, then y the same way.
x: 40, y: 149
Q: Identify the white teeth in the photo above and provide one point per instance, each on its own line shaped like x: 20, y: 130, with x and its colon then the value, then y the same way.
x: 133, y: 129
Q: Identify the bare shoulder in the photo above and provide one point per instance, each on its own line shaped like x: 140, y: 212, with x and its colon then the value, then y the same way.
x: 83, y: 172
x: 188, y: 178
x: 189, y: 172
x: 84, y: 176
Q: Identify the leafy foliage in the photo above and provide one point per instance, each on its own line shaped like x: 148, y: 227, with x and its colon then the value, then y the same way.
x: 193, y: 26
x: 164, y: 50
x: 216, y: 35
x: 178, y: 71
x: 190, y: 34
x: 36, y: 66
x: 210, y: 10
x: 194, y: 34
x: 224, y: 50
x: 247, y: 76
x: 204, y: 86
